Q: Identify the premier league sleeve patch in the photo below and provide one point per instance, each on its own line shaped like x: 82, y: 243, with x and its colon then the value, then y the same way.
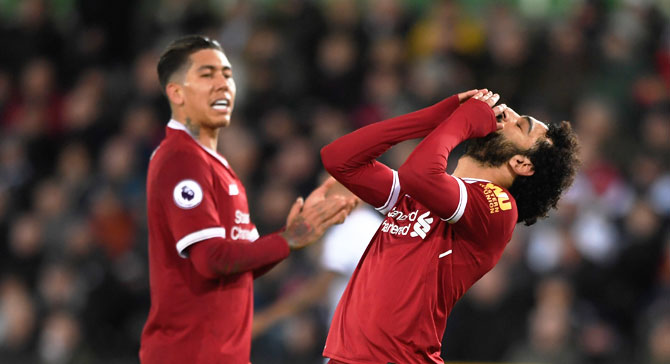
x: 187, y: 194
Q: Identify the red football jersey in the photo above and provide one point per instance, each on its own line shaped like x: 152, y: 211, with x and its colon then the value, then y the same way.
x: 440, y: 235
x: 416, y: 267
x: 193, y: 195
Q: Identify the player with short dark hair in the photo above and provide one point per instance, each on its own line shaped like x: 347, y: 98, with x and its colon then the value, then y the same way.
x: 442, y: 232
x: 204, y: 250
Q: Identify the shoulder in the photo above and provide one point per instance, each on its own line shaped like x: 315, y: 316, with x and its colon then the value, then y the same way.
x: 176, y: 153
x: 496, y: 198
x: 180, y: 144
x: 490, y: 209
x: 175, y: 160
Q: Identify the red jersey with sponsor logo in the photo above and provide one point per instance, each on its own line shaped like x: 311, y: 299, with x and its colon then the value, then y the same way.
x: 440, y: 235
x: 193, y: 195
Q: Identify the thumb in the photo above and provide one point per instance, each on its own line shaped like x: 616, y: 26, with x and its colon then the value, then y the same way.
x: 295, y: 210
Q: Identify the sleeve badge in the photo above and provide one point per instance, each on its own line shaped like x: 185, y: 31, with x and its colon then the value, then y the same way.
x: 187, y: 194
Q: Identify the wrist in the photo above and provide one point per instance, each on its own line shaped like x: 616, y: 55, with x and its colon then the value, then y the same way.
x: 288, y: 239
x: 481, y: 120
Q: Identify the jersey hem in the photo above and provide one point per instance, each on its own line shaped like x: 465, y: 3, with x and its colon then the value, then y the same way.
x: 348, y: 361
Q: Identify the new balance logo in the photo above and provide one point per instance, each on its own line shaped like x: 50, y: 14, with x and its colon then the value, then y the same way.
x: 422, y: 226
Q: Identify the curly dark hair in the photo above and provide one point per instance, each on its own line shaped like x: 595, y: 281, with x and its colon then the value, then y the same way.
x: 555, y: 162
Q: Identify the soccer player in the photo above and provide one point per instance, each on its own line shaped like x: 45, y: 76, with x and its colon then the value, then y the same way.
x: 204, y: 250
x: 442, y: 232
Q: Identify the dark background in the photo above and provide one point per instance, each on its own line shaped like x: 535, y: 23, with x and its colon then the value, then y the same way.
x: 81, y: 111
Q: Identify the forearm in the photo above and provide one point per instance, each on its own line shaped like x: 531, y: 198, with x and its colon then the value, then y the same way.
x: 368, y: 143
x: 218, y: 257
x: 264, y: 269
x: 423, y: 175
x: 351, y: 159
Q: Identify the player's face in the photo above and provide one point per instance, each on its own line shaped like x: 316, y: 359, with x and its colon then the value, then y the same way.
x: 209, y: 89
x: 517, y: 137
x: 522, y: 131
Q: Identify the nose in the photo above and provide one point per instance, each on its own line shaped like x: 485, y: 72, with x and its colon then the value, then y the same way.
x: 509, y: 115
x: 220, y: 82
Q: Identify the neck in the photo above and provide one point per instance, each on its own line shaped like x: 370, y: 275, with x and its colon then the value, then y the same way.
x: 470, y: 168
x: 208, y: 137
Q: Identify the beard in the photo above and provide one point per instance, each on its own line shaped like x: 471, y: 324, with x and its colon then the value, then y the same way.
x: 492, y: 150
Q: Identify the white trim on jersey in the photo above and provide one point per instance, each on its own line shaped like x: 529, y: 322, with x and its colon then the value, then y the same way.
x: 198, y: 236
x: 393, y: 195
x: 473, y: 180
x: 462, y: 202
x: 174, y: 124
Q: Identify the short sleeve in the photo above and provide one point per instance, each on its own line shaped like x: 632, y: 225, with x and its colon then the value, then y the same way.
x: 188, y: 198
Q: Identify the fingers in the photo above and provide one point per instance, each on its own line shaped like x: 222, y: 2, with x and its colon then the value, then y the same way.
x: 320, y: 192
x: 295, y: 210
x: 498, y: 109
x: 328, y: 183
x: 311, y: 222
x: 336, y: 219
x: 330, y: 207
x: 493, y: 99
x: 463, y: 96
x: 328, y: 212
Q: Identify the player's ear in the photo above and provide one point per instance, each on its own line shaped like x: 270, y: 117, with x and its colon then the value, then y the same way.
x: 521, y: 165
x: 175, y: 93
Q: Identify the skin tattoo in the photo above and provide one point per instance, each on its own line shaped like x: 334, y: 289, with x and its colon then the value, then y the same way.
x: 192, y: 128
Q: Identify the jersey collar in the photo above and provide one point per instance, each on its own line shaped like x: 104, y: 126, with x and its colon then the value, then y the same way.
x: 473, y: 180
x: 175, y: 125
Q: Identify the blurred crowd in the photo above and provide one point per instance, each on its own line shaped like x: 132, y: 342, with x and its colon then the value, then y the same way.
x: 81, y: 111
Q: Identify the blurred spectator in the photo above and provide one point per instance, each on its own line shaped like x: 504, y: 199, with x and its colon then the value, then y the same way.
x: 81, y: 112
x: 549, y: 338
x: 18, y: 321
x: 61, y: 341
x: 36, y: 109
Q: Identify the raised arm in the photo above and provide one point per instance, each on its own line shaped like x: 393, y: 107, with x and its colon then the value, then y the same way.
x: 423, y: 175
x: 351, y: 159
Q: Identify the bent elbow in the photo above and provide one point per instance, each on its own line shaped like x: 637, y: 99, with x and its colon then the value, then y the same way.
x: 329, y: 160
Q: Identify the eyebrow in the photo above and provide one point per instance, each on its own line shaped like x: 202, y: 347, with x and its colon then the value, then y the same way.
x: 209, y: 67
x: 530, y: 123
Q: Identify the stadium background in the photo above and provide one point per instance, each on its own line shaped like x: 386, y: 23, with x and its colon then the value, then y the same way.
x: 81, y: 111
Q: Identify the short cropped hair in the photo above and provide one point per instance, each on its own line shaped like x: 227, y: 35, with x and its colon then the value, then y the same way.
x: 555, y: 161
x: 177, y: 53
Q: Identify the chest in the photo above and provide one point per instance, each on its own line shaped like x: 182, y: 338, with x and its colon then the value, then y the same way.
x: 231, y: 203
x: 413, y: 228
x: 410, y: 233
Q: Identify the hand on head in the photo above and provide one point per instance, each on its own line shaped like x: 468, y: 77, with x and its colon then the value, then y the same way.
x: 486, y: 96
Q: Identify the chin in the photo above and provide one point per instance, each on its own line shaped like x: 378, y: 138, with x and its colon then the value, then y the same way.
x: 224, y: 123
x: 220, y: 122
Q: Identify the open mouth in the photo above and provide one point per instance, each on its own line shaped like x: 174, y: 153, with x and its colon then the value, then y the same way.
x: 221, y: 104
